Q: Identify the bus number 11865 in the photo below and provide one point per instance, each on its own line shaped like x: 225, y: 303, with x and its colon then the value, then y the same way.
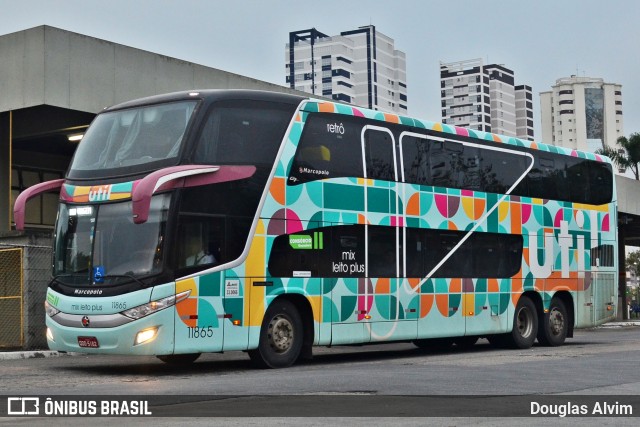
x: 200, y: 332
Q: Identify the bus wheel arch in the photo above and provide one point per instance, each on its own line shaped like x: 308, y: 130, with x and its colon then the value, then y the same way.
x: 284, y: 333
x: 306, y: 313
x: 556, y: 324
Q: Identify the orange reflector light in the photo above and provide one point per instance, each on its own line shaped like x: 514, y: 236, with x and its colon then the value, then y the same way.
x: 471, y: 313
x: 367, y: 316
x: 236, y: 323
x: 609, y: 308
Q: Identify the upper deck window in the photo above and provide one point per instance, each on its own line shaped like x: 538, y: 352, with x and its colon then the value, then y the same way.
x: 239, y: 132
x: 132, y: 140
x: 330, y: 147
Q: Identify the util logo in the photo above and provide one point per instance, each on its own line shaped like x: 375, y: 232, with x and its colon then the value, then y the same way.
x: 565, y: 243
x: 100, y: 193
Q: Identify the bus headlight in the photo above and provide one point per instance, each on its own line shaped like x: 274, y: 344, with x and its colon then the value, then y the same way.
x: 155, y: 306
x: 50, y: 310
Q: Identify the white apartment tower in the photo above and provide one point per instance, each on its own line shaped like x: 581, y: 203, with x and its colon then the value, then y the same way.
x: 360, y: 67
x: 484, y: 97
x: 582, y: 113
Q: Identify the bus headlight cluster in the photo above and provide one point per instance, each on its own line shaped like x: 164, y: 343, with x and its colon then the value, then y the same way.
x: 50, y: 310
x: 155, y: 306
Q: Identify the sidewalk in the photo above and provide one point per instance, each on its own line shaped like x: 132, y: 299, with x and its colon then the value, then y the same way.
x: 621, y: 323
x: 34, y: 354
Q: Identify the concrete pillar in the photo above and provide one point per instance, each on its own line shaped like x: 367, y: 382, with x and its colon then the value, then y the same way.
x: 5, y: 171
x: 623, y: 312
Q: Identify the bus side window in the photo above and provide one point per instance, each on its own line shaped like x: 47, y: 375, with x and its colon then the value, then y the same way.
x: 329, y: 147
x: 578, y: 180
x: 379, y: 155
x: 416, y: 249
x: 416, y: 161
x: 239, y: 132
x: 441, y: 169
x: 199, y: 241
x: 382, y: 251
x: 600, y: 182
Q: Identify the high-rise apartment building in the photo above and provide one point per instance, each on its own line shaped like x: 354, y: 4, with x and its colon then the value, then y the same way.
x: 582, y: 113
x: 360, y: 67
x: 484, y: 97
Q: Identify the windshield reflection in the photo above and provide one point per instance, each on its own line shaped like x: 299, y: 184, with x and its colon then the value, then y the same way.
x: 133, y: 137
x: 100, y: 244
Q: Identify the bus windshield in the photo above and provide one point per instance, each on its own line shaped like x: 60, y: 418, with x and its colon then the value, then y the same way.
x: 100, y: 244
x: 132, y: 140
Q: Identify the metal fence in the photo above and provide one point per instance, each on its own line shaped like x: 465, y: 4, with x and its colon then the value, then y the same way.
x: 11, y: 287
x: 25, y: 271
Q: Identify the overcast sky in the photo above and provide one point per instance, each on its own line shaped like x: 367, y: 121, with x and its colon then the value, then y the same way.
x: 540, y: 40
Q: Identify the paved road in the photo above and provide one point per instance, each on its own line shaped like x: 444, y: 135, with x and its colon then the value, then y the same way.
x: 603, y: 362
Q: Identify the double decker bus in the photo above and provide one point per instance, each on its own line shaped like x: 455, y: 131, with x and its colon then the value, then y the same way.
x: 212, y: 221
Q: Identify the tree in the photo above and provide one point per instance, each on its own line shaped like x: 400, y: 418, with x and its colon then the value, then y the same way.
x: 627, y: 157
x: 632, y: 263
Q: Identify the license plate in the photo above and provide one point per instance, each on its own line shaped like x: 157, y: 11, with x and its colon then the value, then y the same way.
x: 88, y: 342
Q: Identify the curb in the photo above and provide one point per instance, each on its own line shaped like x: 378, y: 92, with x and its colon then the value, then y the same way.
x: 621, y: 324
x: 16, y: 355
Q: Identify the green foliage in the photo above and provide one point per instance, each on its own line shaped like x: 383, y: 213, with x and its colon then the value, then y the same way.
x: 628, y: 156
x: 633, y: 263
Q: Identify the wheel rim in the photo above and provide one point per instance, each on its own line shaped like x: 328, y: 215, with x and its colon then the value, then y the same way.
x: 524, y: 322
x: 556, y: 321
x: 280, y: 334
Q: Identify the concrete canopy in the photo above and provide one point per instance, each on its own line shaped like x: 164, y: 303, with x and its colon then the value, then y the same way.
x: 53, y: 82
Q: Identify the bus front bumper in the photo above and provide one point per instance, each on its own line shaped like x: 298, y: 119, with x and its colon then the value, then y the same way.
x: 150, y: 335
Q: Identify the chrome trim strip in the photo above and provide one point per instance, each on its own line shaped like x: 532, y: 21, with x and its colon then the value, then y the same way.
x: 96, y: 320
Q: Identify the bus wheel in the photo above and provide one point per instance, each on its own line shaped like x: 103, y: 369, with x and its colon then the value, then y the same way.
x: 525, y: 325
x: 555, y: 324
x: 280, y: 336
x: 179, y: 359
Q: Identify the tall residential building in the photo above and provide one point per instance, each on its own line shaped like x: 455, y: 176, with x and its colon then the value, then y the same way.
x: 583, y: 113
x: 484, y: 97
x: 360, y: 67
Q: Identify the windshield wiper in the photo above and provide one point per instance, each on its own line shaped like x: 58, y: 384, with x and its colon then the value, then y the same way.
x: 126, y: 276
x: 57, y: 277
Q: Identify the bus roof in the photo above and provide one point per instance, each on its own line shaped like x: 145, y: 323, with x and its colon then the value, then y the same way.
x: 319, y: 105
x: 210, y: 95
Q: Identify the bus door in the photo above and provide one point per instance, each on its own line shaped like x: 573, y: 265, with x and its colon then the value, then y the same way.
x: 386, y: 301
x: 200, y: 319
x: 347, y: 249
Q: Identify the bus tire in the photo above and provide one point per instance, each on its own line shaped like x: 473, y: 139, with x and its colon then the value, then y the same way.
x: 281, y: 336
x: 525, y: 324
x: 179, y: 359
x: 554, y: 326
